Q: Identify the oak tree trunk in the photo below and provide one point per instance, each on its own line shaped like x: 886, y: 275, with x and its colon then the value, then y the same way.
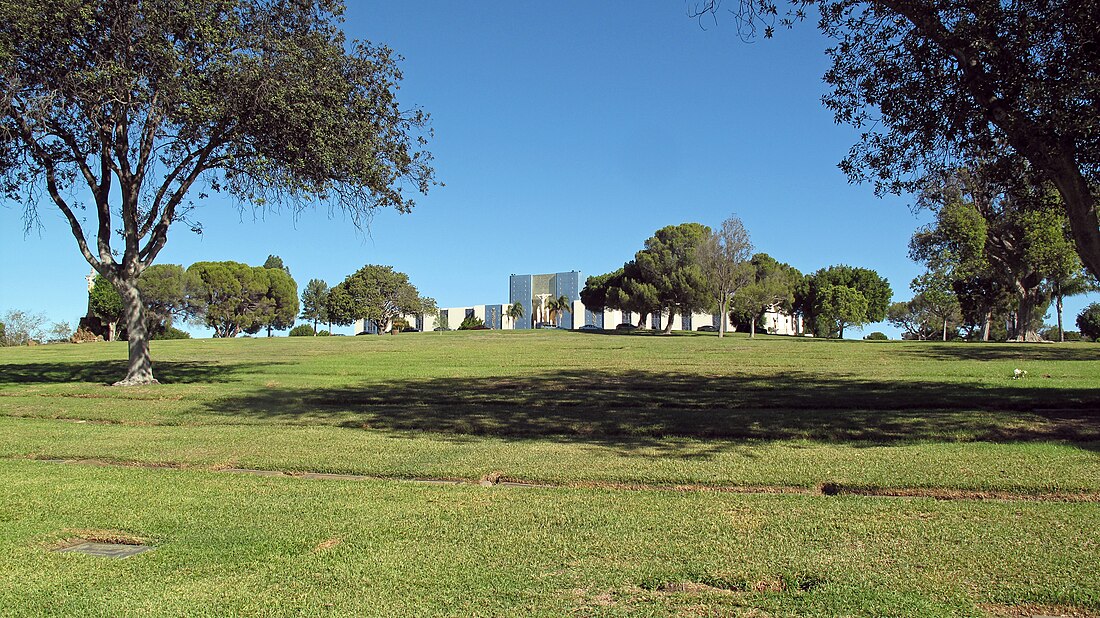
x: 671, y: 316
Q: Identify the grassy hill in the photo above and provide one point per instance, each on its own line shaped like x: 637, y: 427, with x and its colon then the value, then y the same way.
x: 676, y: 475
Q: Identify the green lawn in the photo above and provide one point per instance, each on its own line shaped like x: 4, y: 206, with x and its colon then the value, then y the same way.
x: 611, y: 422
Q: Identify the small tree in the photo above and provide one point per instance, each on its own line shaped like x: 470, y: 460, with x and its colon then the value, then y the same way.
x: 315, y: 302
x: 515, y: 312
x: 471, y: 322
x: 60, y: 331
x: 106, y: 304
x: 723, y: 255
x: 770, y: 287
x: 377, y: 293
x: 939, y: 298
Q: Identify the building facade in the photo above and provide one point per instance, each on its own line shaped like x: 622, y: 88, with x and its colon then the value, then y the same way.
x: 533, y: 292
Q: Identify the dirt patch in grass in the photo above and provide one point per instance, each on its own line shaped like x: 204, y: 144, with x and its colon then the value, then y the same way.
x: 835, y: 489
x: 328, y: 544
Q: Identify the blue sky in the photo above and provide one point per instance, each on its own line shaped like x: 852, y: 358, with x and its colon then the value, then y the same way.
x: 566, y: 133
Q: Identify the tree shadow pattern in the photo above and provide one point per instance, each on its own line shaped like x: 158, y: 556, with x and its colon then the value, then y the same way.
x: 639, y: 406
x: 110, y: 371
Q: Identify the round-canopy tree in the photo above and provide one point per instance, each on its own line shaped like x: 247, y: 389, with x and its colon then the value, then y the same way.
x: 133, y: 103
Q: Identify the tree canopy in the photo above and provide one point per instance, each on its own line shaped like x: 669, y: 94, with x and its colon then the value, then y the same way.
x: 669, y: 263
x: 234, y: 298
x: 377, y: 293
x: 133, y: 104
x: 829, y: 309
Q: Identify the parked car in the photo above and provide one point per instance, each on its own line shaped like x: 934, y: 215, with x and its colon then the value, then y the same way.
x: 626, y: 326
x: 546, y: 325
x: 410, y: 329
x: 707, y: 328
x: 590, y: 327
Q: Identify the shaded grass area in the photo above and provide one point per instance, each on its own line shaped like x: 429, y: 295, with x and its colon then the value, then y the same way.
x: 233, y: 546
x: 603, y: 405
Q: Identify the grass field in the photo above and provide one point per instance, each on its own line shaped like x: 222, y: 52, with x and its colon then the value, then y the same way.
x: 681, y: 475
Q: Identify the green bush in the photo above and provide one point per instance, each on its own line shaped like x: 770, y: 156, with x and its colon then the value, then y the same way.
x: 172, y: 333
x: 324, y: 333
x: 877, y: 336
x: 471, y: 322
x: 302, y: 330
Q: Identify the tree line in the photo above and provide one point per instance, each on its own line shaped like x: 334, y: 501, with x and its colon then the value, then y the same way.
x: 998, y: 254
x: 688, y: 268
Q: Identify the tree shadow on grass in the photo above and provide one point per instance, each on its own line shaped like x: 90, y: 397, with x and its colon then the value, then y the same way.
x: 1021, y: 352
x: 111, y: 371
x: 636, y: 409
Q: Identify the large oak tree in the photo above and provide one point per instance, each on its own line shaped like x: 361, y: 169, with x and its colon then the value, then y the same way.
x: 133, y: 106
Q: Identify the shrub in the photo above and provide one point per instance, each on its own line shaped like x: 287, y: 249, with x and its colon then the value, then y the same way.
x: 877, y: 336
x: 1088, y: 321
x: 302, y: 330
x: 471, y: 322
x: 324, y: 333
x: 1072, y: 335
x: 172, y: 332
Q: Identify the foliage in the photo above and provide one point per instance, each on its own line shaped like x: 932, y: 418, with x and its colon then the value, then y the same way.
x: 315, y: 302
x: 471, y: 322
x: 323, y: 333
x: 828, y: 309
x: 912, y: 317
x: 771, y: 285
x: 282, y: 292
x: 515, y: 311
x: 876, y: 336
x: 170, y: 333
x: 939, y: 300
x: 22, y: 328
x: 133, y: 103
x: 557, y: 306
x: 377, y: 293
x: 1088, y: 322
x: 274, y: 261
x: 670, y: 265
x: 594, y: 292
x: 839, y: 306
x: 105, y: 303
x: 162, y: 292
x: 60, y: 332
x: 723, y: 256
x: 996, y: 231
x: 302, y: 330
x: 230, y: 297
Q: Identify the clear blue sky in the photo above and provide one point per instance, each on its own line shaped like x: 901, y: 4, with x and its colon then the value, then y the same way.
x: 566, y: 134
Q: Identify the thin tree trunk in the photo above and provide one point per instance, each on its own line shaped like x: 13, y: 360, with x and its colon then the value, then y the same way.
x: 140, y: 369
x: 671, y: 316
x: 722, y: 317
x: 1058, y: 308
x: 752, y: 328
x: 988, y: 326
x: 945, y: 329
